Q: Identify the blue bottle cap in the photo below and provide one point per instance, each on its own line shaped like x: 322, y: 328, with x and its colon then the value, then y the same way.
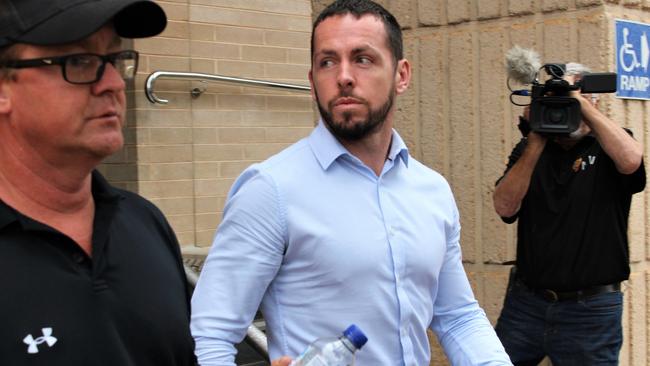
x: 356, y: 336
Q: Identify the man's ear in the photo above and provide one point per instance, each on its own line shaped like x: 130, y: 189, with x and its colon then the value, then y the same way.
x: 402, y: 76
x: 5, y: 93
x: 311, y: 83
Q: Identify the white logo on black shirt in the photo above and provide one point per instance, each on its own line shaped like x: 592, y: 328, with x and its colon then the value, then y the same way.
x: 45, y: 338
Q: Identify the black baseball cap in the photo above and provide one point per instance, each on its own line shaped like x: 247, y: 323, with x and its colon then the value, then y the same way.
x: 53, y: 22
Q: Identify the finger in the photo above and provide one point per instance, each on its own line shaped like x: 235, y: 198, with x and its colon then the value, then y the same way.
x: 282, y: 361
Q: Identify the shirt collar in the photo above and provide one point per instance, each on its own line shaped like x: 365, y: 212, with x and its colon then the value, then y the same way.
x: 327, y: 148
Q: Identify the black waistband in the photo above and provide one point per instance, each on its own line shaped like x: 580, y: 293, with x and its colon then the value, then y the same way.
x: 553, y: 296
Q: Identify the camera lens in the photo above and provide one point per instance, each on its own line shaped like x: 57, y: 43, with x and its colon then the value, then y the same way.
x: 556, y: 116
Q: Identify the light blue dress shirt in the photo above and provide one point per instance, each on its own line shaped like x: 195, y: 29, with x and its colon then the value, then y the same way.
x: 321, y: 242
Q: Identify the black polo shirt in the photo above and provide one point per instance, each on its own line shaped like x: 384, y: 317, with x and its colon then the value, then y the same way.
x: 128, y: 305
x: 572, y: 229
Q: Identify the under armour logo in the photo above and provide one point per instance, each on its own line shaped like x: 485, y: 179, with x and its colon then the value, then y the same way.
x: 45, y: 338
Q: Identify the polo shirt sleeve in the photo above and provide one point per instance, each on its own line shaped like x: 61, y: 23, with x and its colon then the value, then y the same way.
x: 245, y: 256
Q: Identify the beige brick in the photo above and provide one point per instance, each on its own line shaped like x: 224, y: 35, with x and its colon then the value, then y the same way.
x: 241, y: 69
x: 592, y: 42
x: 206, y: 221
x: 521, y: 7
x: 431, y: 12
x: 164, y: 153
x: 175, y: 11
x: 237, y: 35
x: 433, y: 106
x: 489, y: 9
x: 557, y: 41
x: 285, y: 71
x: 219, y: 152
x: 215, y: 50
x: 204, y: 238
x: 264, y: 54
x: 262, y: 151
x: 165, y: 171
x: 163, y: 46
x: 287, y: 7
x: 205, y: 66
x: 166, y: 135
x: 232, y: 169
x: 241, y: 135
x: 168, y: 63
x: 554, y: 5
x: 405, y: 12
x: 207, y: 169
x: 287, y: 39
x: 212, y: 187
x: 241, y: 102
x: 463, y: 172
x: 299, y: 56
x: 495, y: 284
x: 289, y: 103
x: 209, y: 204
x: 493, y: 103
x: 186, y: 237
x: 204, y: 32
x: 223, y: 16
x: 165, y: 189
x: 287, y: 134
x: 585, y: 3
x: 181, y: 223
x: 216, y: 118
x: 176, y: 29
x: 637, y: 293
x: 175, y: 206
x: 458, y: 11
x: 204, y: 135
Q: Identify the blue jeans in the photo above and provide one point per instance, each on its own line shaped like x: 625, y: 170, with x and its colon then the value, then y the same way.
x: 571, y: 332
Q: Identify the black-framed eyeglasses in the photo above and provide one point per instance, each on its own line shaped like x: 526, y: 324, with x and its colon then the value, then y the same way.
x: 84, y: 68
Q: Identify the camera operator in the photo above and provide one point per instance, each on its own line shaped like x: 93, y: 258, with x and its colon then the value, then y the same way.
x: 571, y: 194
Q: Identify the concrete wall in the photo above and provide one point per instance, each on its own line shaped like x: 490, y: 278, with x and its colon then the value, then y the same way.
x: 456, y: 118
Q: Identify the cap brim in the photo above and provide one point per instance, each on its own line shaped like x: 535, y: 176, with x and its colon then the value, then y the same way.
x: 131, y: 19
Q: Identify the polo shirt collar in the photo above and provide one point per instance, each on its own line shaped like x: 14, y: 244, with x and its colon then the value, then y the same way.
x: 327, y: 148
x: 102, y: 192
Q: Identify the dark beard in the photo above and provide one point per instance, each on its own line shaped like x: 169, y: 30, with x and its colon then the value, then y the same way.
x: 354, y: 132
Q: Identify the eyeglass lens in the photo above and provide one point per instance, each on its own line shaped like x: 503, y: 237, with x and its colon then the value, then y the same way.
x: 90, y: 68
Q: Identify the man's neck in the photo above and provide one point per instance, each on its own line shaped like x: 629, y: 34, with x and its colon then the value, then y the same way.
x: 373, y: 149
x: 58, y: 196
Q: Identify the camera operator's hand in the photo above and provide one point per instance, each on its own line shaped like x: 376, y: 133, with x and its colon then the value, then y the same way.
x: 622, y: 148
x: 510, y: 191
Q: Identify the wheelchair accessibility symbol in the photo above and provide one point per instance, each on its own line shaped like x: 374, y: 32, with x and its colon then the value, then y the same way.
x: 633, y: 59
x: 627, y: 55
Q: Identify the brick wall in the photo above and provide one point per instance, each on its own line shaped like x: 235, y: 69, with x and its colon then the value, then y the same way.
x: 185, y: 155
x: 456, y: 117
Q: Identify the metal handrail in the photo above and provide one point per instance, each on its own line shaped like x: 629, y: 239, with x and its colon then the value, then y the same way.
x: 151, y: 80
x: 255, y: 337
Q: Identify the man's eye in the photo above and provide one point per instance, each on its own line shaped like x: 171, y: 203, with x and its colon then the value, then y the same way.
x: 364, y: 60
x: 326, y: 63
x: 80, y: 61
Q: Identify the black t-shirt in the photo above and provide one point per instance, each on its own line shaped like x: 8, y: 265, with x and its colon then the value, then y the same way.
x: 572, y: 229
x: 128, y: 305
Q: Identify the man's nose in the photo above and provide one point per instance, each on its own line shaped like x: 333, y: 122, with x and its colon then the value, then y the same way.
x: 345, y: 77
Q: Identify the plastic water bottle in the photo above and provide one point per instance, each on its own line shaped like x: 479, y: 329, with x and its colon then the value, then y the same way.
x: 333, y: 351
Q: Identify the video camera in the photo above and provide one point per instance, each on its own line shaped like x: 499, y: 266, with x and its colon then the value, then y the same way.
x: 552, y: 110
